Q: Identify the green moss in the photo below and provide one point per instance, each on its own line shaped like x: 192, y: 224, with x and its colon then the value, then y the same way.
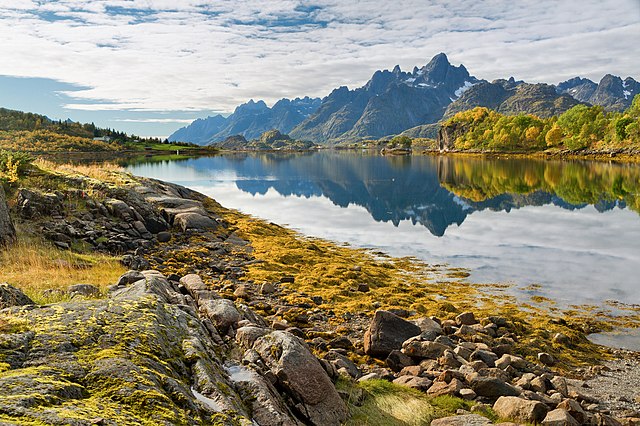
x: 387, y: 404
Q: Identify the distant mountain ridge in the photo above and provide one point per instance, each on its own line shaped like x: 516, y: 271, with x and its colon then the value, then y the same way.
x: 411, y: 103
x: 249, y: 120
x: 613, y: 93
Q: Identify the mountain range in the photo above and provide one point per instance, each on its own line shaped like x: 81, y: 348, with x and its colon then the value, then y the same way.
x: 411, y: 103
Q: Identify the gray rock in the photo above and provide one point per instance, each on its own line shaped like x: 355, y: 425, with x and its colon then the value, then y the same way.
x: 560, y: 384
x: 267, y: 288
x: 163, y: 237
x: 12, y: 296
x: 222, y: 312
x: 88, y: 290
x: 465, y: 420
x: 397, y: 360
x: 247, y: 335
x: 492, y: 387
x: 386, y: 333
x: 300, y: 373
x: 120, y: 209
x: 130, y: 277
x: 561, y: 339
x: 7, y: 230
x: 559, y: 417
x: 419, y: 349
x: 144, y: 351
x: 419, y: 383
x: 546, y: 358
x: 487, y: 357
x: 142, y: 230
x: 468, y: 394
x: 342, y: 362
x: 519, y: 409
x: 574, y: 409
x: 266, y: 408
x: 31, y: 204
x: 427, y: 324
x: 194, y: 221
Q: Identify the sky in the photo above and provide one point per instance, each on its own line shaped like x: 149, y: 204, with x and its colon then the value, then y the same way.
x: 149, y: 67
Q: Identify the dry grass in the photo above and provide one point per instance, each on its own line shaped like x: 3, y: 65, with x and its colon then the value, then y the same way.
x: 35, y: 266
x: 106, y: 172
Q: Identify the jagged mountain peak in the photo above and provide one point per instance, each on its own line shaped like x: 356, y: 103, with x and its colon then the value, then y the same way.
x: 612, y: 92
x: 251, y: 105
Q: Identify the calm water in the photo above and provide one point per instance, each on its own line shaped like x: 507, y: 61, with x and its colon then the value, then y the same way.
x: 573, y: 228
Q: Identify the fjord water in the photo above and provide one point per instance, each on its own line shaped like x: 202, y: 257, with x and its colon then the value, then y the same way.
x: 566, y: 230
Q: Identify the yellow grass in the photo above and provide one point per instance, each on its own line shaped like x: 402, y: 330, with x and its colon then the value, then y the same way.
x: 34, y: 266
x: 107, y: 172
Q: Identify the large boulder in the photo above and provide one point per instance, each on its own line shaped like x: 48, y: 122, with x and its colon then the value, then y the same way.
x: 12, y: 296
x: 386, y: 333
x: 7, y: 230
x: 194, y: 221
x: 302, y: 375
x: 518, y: 409
x: 492, y: 387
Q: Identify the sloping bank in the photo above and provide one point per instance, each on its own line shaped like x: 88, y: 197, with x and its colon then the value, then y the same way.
x: 225, y: 319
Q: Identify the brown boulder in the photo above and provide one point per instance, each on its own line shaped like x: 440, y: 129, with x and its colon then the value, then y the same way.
x: 512, y: 407
x: 386, y: 333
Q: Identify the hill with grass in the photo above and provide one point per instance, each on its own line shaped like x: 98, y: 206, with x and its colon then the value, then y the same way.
x: 29, y: 132
x: 580, y: 129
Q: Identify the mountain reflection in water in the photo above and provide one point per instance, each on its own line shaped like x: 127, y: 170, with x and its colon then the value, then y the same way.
x: 570, y: 222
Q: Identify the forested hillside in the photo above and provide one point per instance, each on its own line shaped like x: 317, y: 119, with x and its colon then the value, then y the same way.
x: 581, y: 127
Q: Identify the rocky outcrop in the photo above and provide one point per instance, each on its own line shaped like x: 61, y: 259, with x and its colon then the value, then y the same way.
x: 7, y: 230
x: 448, y: 134
x: 32, y: 203
x: 145, y: 355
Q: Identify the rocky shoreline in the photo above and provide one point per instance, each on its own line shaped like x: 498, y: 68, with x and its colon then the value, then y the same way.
x: 185, y: 338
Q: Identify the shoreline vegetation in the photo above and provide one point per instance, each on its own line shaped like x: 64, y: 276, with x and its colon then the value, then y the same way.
x: 78, y: 219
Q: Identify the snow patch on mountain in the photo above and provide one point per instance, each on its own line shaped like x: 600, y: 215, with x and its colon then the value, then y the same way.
x: 463, y: 88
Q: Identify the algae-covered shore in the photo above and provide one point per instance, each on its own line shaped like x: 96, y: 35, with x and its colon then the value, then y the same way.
x: 135, y: 301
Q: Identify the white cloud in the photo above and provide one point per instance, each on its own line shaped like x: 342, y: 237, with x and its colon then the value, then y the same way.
x: 183, y: 55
